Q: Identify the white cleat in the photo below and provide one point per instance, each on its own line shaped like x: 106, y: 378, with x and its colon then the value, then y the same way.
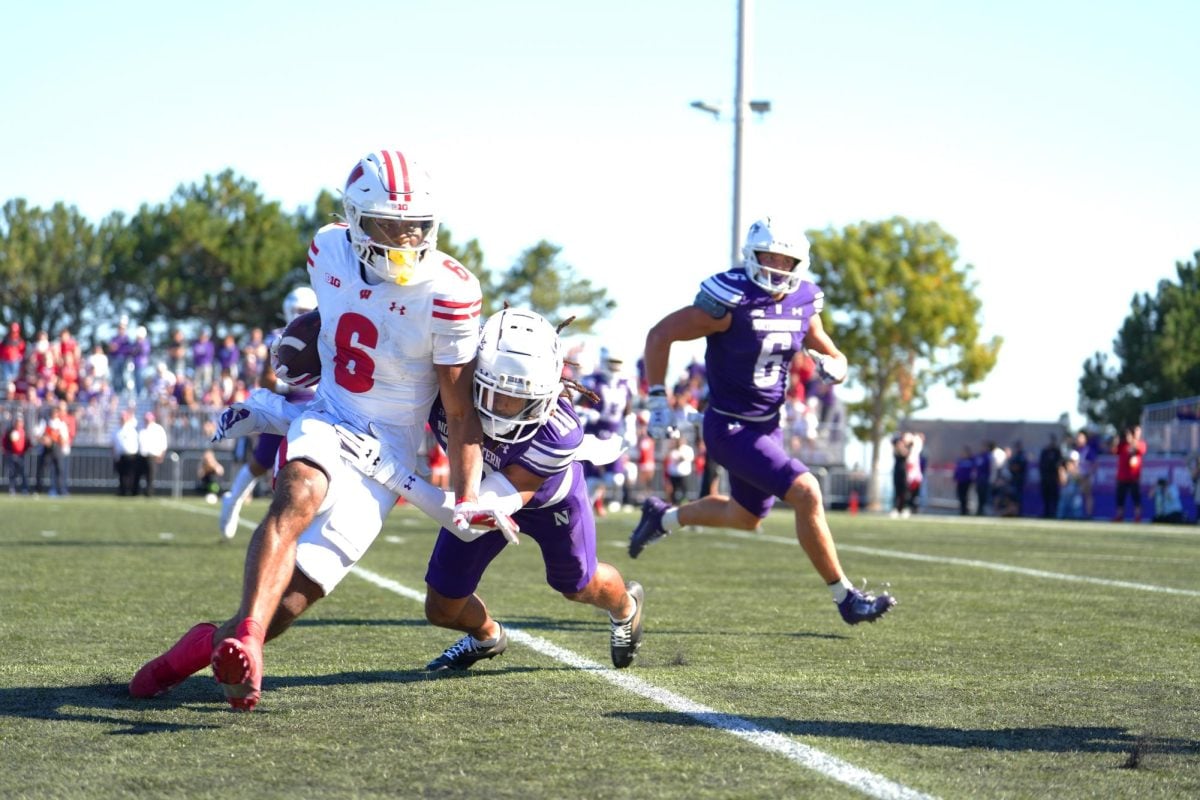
x: 230, y: 512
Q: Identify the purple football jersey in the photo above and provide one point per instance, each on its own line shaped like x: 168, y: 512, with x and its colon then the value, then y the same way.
x: 616, y: 395
x: 549, y: 453
x: 747, y: 365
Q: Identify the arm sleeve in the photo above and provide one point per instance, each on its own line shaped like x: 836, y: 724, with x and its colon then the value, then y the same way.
x: 457, y: 302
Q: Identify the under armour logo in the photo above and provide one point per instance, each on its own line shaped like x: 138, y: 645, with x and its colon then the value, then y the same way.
x: 409, y: 482
x: 397, y: 308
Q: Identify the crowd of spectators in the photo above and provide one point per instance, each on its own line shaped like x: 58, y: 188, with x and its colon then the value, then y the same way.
x: 54, y: 395
x: 128, y: 372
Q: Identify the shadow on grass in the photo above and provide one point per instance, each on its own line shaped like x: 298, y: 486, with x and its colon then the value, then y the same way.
x: 107, y: 701
x: 600, y: 622
x: 1047, y: 739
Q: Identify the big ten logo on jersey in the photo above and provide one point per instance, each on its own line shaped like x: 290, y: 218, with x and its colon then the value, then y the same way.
x: 333, y: 280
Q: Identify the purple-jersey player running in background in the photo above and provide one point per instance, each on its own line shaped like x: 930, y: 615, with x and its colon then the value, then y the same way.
x: 299, y: 301
x: 609, y: 415
x: 755, y: 318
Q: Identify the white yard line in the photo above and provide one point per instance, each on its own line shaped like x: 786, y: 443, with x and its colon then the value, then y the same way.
x: 865, y: 781
x: 961, y: 562
x: 857, y: 778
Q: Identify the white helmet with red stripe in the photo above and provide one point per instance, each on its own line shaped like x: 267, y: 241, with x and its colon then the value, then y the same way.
x: 389, y: 207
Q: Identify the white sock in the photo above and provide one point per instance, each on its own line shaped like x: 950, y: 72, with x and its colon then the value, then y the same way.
x: 632, y: 614
x: 487, y: 642
x: 840, y: 588
x: 670, y: 519
x: 243, y: 484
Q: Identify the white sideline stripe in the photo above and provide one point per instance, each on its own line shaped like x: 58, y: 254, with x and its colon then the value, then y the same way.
x: 967, y: 562
x: 865, y: 781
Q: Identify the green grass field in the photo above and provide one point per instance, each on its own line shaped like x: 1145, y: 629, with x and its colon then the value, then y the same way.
x: 1024, y: 660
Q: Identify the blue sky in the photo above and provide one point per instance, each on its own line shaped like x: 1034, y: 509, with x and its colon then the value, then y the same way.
x: 1056, y: 141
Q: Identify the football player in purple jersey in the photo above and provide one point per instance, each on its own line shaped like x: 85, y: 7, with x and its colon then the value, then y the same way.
x: 533, y: 448
x: 299, y: 301
x: 609, y: 415
x: 755, y: 318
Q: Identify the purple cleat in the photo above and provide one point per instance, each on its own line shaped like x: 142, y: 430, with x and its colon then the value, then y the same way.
x: 862, y: 607
x: 649, y: 528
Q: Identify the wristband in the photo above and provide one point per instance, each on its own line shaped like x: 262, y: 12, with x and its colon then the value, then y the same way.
x: 657, y: 390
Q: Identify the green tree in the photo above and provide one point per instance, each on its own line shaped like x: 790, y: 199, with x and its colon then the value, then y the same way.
x: 326, y: 208
x: 217, y: 252
x: 52, y: 268
x: 1158, y: 349
x: 906, y: 316
x: 540, y: 281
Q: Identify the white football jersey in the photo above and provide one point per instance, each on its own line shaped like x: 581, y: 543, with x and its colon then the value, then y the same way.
x: 379, y: 342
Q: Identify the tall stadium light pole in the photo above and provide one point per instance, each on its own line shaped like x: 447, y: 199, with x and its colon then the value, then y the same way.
x: 739, y: 121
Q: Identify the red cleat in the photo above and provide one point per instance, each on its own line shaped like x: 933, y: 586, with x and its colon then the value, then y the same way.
x: 185, y: 658
x: 237, y: 663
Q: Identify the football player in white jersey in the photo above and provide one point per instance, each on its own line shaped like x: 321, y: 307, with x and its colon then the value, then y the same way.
x: 399, y: 325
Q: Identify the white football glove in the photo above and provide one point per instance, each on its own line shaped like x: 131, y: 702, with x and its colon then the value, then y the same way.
x: 366, y: 454
x: 474, y: 514
x: 363, y: 452
x: 661, y: 419
x: 468, y: 521
x: 830, y: 369
x: 262, y: 411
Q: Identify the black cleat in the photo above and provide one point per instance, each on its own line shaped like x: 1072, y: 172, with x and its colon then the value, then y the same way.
x: 466, y: 651
x: 862, y: 607
x: 627, y: 636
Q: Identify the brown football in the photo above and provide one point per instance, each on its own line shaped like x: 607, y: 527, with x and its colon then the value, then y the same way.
x: 295, y: 357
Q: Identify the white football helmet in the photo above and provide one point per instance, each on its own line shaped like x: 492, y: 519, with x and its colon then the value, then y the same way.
x: 389, y: 207
x: 518, y: 374
x: 768, y: 236
x: 299, y: 301
x: 610, y: 362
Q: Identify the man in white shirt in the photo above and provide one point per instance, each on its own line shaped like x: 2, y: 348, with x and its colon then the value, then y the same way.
x: 152, y: 447
x: 125, y: 454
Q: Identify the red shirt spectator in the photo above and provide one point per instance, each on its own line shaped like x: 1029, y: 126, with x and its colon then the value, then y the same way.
x: 12, y: 352
x: 15, y: 440
x: 1130, y: 454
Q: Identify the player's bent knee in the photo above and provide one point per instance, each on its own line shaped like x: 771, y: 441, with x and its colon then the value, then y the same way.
x: 805, y: 493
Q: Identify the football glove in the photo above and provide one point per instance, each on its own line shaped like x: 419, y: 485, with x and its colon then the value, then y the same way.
x: 262, y: 411
x: 829, y: 369
x: 365, y: 453
x: 659, y: 427
x: 470, y: 514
